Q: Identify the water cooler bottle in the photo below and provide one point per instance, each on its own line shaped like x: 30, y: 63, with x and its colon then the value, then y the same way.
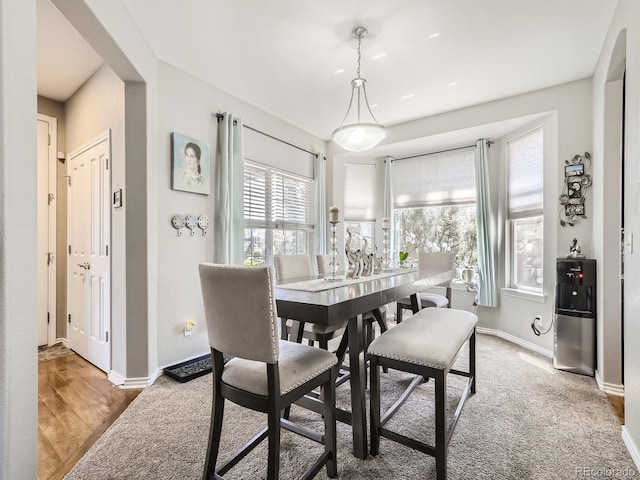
x: 575, y: 333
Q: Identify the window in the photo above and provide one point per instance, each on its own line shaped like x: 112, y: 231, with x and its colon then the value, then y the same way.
x: 434, y: 205
x: 278, y: 214
x: 359, y: 204
x: 525, y: 209
x: 361, y: 232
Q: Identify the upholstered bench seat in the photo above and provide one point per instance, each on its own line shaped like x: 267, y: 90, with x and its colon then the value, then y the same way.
x: 427, y: 344
x: 432, y: 337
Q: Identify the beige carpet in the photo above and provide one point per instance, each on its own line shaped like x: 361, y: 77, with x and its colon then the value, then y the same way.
x: 526, y: 421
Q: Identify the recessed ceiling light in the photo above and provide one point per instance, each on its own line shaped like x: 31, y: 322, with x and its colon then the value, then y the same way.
x: 408, y: 96
x: 374, y: 105
x: 341, y: 70
x: 434, y: 35
x: 453, y: 84
x: 379, y: 56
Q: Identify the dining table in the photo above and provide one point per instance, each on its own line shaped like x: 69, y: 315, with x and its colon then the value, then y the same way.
x: 329, y: 301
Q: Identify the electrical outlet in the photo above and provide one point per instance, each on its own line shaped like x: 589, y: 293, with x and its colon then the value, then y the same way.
x: 538, y: 319
x: 188, y: 327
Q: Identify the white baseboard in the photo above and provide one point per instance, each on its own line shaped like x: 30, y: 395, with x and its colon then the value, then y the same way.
x: 516, y: 340
x: 63, y: 341
x: 133, y: 382
x: 140, y: 382
x: 610, y: 388
x: 631, y: 446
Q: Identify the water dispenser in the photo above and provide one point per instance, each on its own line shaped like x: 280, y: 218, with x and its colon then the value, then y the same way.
x: 575, y: 333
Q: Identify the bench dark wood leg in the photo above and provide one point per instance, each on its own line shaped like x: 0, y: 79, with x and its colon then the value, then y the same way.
x: 374, y: 379
x: 441, y: 426
x: 472, y: 360
x: 398, y: 313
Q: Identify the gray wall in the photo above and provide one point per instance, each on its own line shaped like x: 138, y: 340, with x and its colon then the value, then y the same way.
x: 96, y: 106
x: 625, y: 26
x: 18, y: 352
x: 187, y: 106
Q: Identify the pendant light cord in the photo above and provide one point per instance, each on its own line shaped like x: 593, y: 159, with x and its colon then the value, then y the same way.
x: 359, y: 54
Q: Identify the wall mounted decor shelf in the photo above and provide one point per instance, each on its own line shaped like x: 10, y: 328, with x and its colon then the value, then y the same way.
x: 574, y: 192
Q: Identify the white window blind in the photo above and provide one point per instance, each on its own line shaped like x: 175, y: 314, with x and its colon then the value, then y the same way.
x: 526, y: 175
x: 359, y: 191
x: 275, y: 199
x: 438, y: 179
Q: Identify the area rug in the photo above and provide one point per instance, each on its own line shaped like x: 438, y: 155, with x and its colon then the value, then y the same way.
x: 52, y: 352
x: 526, y: 421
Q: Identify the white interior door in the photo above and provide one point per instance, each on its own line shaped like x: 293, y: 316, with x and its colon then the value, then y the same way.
x: 46, y: 236
x: 89, y: 265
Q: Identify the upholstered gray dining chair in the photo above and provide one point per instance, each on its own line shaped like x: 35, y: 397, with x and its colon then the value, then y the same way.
x: 288, y: 268
x: 264, y: 374
x: 427, y: 299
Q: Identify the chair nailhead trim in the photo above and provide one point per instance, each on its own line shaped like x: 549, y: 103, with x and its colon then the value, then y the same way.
x: 274, y: 319
x: 311, y: 376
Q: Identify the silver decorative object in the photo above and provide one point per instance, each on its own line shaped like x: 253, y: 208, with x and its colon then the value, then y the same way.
x: 377, y: 263
x: 334, y: 265
x: 356, y: 264
x: 367, y: 264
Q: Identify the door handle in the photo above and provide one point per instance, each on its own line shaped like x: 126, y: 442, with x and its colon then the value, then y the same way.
x: 85, y: 265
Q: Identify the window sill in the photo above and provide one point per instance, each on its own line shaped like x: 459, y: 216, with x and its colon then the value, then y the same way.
x: 533, y: 297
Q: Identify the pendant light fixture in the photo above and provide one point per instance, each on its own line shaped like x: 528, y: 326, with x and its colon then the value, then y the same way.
x: 359, y: 136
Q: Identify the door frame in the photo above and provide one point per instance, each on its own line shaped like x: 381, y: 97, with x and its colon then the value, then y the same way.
x: 52, y: 182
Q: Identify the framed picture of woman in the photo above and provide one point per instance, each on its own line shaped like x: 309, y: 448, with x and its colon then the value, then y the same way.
x: 190, y: 164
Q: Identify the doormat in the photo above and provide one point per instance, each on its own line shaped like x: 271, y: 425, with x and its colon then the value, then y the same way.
x: 194, y: 368
x: 52, y: 352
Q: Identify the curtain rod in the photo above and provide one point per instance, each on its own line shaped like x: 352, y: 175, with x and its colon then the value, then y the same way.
x: 489, y: 142
x: 220, y: 116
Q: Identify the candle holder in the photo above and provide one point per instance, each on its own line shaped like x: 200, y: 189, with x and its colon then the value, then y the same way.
x: 333, y: 266
x: 385, y: 251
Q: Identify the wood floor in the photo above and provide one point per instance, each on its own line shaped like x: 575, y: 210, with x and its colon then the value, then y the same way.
x: 76, y: 404
x: 617, y: 403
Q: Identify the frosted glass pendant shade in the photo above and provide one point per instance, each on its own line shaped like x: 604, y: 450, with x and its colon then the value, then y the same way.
x: 358, y: 137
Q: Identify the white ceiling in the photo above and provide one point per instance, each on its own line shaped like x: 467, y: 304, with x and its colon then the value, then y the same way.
x: 282, y: 55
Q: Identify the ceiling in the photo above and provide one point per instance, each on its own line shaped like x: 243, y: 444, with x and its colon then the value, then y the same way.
x: 421, y: 57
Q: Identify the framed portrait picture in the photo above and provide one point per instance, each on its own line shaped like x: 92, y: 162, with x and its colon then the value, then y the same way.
x: 574, y: 187
x: 576, y: 169
x: 190, y: 164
